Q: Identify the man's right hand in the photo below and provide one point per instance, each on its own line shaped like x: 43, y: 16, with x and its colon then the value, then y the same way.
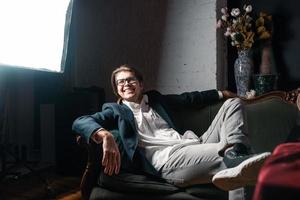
x: 111, y: 160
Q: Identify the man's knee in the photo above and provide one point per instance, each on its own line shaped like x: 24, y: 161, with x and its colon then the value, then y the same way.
x: 233, y: 102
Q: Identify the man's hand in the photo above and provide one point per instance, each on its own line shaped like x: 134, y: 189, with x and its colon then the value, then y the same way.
x: 111, y: 160
x: 228, y: 94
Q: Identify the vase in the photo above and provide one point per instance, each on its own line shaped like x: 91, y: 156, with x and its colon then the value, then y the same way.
x: 266, y: 60
x: 264, y: 83
x: 243, y: 70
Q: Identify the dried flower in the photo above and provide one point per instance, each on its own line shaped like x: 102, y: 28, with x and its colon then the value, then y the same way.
x: 242, y: 29
x: 264, y: 26
x: 248, y: 8
x: 224, y: 10
x: 235, y: 12
x: 250, y: 94
x: 238, y: 26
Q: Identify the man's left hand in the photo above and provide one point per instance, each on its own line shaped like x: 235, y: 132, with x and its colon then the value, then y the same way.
x: 228, y: 94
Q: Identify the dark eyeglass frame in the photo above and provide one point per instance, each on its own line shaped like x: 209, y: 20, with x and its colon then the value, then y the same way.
x: 129, y: 80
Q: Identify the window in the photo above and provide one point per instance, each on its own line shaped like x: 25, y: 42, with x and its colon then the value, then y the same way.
x: 32, y: 33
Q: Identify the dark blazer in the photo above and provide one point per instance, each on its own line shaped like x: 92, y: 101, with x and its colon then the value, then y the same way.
x: 119, y: 119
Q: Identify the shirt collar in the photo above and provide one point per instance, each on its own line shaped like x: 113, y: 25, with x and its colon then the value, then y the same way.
x: 136, y: 106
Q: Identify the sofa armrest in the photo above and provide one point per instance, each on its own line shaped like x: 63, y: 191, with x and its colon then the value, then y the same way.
x: 271, y: 118
x: 286, y: 96
x: 93, y: 167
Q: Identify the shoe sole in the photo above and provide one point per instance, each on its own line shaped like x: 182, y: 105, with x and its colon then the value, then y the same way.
x: 244, y: 174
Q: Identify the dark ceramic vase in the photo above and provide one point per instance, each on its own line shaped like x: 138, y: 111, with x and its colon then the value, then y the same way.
x: 264, y: 83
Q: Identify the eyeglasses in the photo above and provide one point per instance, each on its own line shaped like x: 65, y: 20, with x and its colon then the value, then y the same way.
x: 129, y: 80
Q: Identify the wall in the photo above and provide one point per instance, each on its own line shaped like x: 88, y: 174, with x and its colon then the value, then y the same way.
x: 286, y: 40
x: 172, y: 42
x: 188, y: 57
x: 17, y: 98
x: 23, y: 93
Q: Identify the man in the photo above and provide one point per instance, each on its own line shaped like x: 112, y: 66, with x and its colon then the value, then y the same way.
x: 140, y: 126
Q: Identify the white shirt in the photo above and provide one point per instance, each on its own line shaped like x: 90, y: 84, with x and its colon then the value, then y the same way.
x: 155, y: 136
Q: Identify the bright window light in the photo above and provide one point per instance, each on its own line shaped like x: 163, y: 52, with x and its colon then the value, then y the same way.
x: 32, y: 33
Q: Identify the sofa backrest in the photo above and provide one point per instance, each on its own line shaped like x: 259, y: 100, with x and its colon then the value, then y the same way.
x: 195, y: 119
x: 268, y: 121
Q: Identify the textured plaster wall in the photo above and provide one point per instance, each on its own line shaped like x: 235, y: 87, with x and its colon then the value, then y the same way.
x: 188, y: 60
x: 172, y: 42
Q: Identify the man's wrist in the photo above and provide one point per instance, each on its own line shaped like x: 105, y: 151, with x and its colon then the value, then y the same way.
x: 98, y: 135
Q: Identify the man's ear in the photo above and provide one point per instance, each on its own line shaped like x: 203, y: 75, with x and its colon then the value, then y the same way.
x: 141, y: 85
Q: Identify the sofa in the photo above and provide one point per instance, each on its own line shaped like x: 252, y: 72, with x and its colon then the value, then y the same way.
x: 270, y: 119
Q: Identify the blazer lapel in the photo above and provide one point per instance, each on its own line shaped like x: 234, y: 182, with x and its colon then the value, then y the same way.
x: 128, y: 130
x: 128, y: 116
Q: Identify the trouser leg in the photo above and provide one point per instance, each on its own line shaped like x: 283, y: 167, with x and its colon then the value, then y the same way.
x: 196, y: 164
x: 193, y: 164
x: 228, y: 126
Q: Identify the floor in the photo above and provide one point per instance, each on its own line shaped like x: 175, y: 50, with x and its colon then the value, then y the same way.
x: 40, y: 185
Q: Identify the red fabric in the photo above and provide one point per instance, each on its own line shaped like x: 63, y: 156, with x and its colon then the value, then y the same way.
x: 279, y: 177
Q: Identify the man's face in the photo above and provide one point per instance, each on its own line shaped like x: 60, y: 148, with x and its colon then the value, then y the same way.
x: 129, y: 88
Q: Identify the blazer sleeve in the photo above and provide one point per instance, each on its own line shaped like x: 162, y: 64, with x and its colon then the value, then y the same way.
x: 88, y: 124
x: 193, y: 99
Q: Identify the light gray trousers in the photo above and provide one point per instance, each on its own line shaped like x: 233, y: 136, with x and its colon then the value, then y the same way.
x: 197, y: 163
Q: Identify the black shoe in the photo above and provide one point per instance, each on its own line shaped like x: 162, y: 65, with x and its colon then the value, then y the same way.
x: 236, y: 155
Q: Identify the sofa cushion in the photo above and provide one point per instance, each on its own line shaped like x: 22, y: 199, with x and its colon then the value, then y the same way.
x: 100, y: 193
x: 140, y: 184
x: 207, y: 191
x: 135, y: 183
